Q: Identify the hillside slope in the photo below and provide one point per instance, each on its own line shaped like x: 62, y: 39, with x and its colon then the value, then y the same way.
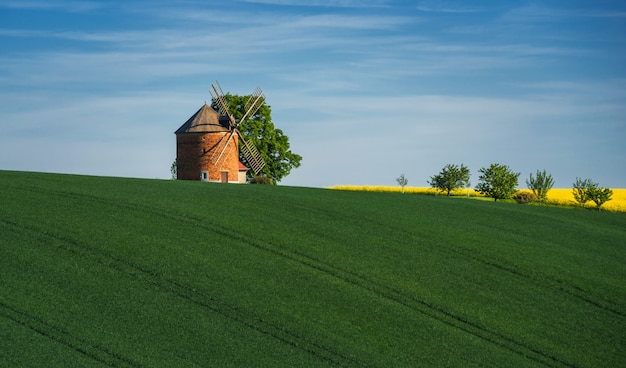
x: 128, y: 272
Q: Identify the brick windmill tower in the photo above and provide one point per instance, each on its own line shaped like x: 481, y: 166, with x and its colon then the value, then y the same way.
x: 208, y: 143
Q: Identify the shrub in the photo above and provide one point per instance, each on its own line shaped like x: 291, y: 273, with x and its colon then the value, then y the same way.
x: 523, y: 197
x: 581, y: 189
x: 260, y: 179
x: 540, y: 185
x: 599, y: 196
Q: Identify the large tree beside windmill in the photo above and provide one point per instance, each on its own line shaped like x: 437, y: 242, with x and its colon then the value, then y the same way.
x: 271, y: 143
x: 258, y: 135
x: 232, y: 137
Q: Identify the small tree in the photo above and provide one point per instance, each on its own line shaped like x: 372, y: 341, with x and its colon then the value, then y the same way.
x: 540, y: 185
x: 174, y: 169
x: 402, y: 181
x: 451, y: 177
x: 599, y: 196
x: 581, y: 189
x: 497, y: 181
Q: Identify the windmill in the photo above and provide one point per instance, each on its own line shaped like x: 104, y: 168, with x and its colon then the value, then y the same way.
x: 250, y: 152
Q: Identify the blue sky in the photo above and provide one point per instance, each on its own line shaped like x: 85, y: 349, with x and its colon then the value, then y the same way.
x: 365, y: 90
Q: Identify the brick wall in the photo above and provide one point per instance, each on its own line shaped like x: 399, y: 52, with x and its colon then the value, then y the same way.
x: 194, y: 153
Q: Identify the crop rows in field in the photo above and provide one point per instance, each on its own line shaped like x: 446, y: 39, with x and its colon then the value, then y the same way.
x: 295, y: 276
x: 192, y: 295
x: 155, y: 280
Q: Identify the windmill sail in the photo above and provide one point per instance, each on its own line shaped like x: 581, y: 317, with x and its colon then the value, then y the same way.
x: 222, y: 103
x: 226, y: 140
x: 223, y: 109
x: 252, y: 155
x: 253, y: 104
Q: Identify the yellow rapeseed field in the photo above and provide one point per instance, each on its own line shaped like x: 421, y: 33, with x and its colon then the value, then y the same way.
x: 556, y: 196
x: 398, y: 189
x: 564, y: 196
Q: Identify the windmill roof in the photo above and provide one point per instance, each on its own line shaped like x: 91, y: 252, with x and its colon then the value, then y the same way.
x: 205, y: 120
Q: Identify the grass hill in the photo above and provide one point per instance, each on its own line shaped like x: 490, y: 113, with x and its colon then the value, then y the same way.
x: 121, y: 272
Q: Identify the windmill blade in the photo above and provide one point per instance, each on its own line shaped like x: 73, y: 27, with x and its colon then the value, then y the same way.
x: 256, y: 94
x: 219, y: 156
x: 256, y: 100
x: 252, y: 155
x: 222, y: 103
x: 218, y: 96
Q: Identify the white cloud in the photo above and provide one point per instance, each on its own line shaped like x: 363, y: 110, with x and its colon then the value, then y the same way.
x: 363, y: 95
x: 541, y: 13
x: 324, y: 3
x: 419, y: 134
x: 348, y: 22
x: 78, y: 6
x: 446, y: 7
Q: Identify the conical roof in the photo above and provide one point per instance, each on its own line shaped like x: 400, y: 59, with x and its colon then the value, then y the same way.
x: 205, y: 120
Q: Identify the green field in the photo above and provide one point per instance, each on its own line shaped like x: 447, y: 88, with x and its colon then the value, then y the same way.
x: 129, y: 273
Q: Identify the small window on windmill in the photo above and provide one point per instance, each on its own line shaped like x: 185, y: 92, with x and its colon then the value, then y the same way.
x: 204, y: 176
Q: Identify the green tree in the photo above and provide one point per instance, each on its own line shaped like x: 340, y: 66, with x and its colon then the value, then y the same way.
x: 580, y: 190
x: 599, y: 196
x: 587, y: 190
x: 497, y: 181
x: 540, y: 185
x: 451, y: 177
x: 402, y: 181
x: 174, y: 170
x: 270, y: 141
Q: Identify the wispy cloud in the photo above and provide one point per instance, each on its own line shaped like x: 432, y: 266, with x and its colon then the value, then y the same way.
x: 77, y: 6
x: 418, y: 131
x: 324, y: 3
x: 271, y: 17
x: 540, y: 13
x: 446, y: 7
x: 104, y: 37
x: 401, y: 86
x: 350, y: 22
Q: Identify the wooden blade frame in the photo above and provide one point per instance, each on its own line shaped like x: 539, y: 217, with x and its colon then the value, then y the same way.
x: 252, y: 155
x: 222, y: 103
x: 253, y: 104
x: 250, y: 152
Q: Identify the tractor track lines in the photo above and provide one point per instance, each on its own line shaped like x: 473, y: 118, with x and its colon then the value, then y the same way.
x: 384, y: 291
x: 182, y: 291
x: 426, y: 308
x: 59, y: 335
x: 555, y: 284
x: 413, y: 303
x: 362, y: 282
